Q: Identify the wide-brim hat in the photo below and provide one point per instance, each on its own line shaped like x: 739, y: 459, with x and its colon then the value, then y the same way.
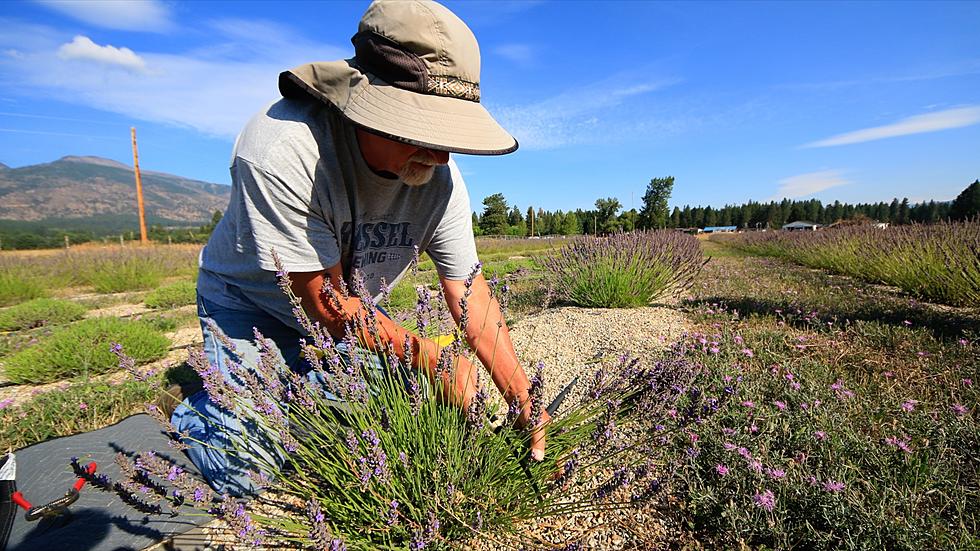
x: 414, y: 78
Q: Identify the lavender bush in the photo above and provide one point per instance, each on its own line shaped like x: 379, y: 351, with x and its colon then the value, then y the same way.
x: 938, y: 262
x: 392, y: 466
x: 624, y: 270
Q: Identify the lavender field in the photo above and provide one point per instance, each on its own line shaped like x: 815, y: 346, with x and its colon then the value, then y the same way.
x: 936, y: 262
x: 794, y: 407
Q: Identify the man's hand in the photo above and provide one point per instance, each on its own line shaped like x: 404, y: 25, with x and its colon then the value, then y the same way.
x: 538, y: 432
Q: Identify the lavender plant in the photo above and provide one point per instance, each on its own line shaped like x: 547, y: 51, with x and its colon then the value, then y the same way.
x: 624, y: 270
x: 376, y: 459
x: 938, y: 262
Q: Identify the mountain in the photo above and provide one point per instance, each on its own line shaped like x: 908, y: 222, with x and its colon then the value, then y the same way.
x: 83, y: 192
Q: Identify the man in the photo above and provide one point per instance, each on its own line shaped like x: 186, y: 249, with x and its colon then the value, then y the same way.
x: 351, y: 170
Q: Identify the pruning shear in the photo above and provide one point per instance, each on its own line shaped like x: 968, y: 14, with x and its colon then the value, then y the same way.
x: 55, y: 508
x: 551, y: 409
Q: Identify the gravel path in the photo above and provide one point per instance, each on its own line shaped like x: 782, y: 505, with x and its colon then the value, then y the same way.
x: 573, y: 341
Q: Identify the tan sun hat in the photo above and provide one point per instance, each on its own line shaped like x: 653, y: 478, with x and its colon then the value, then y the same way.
x: 414, y: 77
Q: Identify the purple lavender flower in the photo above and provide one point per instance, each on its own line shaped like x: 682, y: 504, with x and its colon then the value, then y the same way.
x: 476, y: 414
x: 391, y: 514
x: 128, y: 364
x: 414, y: 393
x: 619, y: 479
x: 776, y: 473
x: 319, y: 533
x: 722, y: 470
x: 537, y: 395
x: 423, y: 310
x: 766, y: 500
x: 374, y: 463
x: 833, y: 487
x: 899, y: 443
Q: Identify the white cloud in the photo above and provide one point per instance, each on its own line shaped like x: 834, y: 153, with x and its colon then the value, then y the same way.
x: 918, y: 124
x: 584, y: 115
x: 214, y: 90
x: 128, y: 15
x: 804, y: 185
x: 83, y: 48
x: 518, y: 53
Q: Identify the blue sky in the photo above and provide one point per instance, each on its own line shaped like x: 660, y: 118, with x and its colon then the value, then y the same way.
x: 852, y: 101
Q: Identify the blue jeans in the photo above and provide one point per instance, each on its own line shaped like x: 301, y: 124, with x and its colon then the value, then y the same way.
x: 221, y: 430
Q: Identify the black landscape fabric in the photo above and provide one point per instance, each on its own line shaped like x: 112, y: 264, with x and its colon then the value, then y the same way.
x: 99, y: 520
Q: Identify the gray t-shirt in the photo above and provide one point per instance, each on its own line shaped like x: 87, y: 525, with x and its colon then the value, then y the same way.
x: 297, y: 178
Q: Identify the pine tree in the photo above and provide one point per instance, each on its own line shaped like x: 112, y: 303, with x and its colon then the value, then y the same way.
x: 493, y: 221
x: 967, y: 203
x: 654, y: 212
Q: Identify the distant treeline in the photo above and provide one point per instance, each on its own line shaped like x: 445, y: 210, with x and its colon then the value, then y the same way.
x: 109, y: 229
x: 775, y: 214
x: 608, y: 219
x: 500, y: 218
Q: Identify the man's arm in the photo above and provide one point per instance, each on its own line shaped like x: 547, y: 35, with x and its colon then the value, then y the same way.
x: 487, y: 333
x: 308, y: 286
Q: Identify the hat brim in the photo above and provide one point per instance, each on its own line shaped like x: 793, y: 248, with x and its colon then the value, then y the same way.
x: 430, y: 121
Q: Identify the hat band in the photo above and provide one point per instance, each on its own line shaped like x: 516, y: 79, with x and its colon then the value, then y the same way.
x: 403, y: 69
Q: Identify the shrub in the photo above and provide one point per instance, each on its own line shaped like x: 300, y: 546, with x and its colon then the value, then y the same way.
x: 396, y: 467
x: 83, y: 349
x: 17, y: 287
x: 624, y: 270
x: 181, y: 293
x: 38, y: 312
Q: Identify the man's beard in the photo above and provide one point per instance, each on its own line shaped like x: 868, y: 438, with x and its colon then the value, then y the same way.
x: 418, y: 170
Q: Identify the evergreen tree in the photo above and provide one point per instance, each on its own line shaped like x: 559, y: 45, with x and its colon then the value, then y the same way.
x: 903, y: 211
x: 531, y: 230
x: 710, y: 217
x: 515, y: 217
x: 493, y: 221
x: 967, y: 203
x: 570, y: 224
x: 654, y: 212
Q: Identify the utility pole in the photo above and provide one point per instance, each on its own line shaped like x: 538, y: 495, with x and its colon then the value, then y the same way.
x: 139, y: 188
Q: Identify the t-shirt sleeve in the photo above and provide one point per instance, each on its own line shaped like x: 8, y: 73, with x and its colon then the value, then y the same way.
x: 452, y: 248
x: 281, y: 214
